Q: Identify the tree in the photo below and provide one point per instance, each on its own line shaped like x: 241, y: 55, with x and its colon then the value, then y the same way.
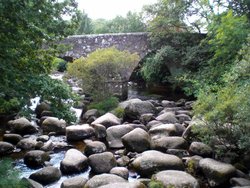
x: 85, y: 24
x: 131, y: 23
x: 26, y: 27
x: 101, y: 66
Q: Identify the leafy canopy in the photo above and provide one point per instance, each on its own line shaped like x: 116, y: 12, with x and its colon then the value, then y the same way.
x: 27, y: 26
x: 101, y: 66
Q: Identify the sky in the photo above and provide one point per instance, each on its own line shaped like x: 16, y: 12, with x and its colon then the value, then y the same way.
x: 109, y: 9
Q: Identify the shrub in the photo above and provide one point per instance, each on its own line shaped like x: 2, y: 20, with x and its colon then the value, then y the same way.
x: 101, y: 66
x: 226, y: 111
x: 119, y: 112
x: 155, y: 184
x: 9, y: 176
x: 105, y: 105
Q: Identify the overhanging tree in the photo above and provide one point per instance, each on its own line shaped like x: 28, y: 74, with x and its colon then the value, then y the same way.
x: 27, y: 25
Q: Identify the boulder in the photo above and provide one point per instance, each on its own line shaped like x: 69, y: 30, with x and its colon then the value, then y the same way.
x: 216, y: 172
x: 43, y: 138
x: 48, y: 146
x: 145, y: 118
x: 240, y: 182
x: 176, y: 179
x: 162, y: 143
x: 134, y: 184
x: 153, y: 161
x: 120, y: 171
x: 201, y: 149
x: 12, y: 138
x: 75, y: 182
x: 31, y: 183
x: 89, y: 114
x: 43, y: 106
x: 136, y: 140
x: 102, y: 162
x: 164, y: 129
x: 115, y: 133
x: 136, y: 108
x: 93, y: 147
x: 36, y: 158
x: 100, y: 131
x: 73, y: 162
x: 79, y: 132
x: 6, y: 148
x: 22, y: 126
x: 123, y: 161
x: 53, y: 124
x: 166, y: 103
x: 167, y: 117
x: 107, y: 120
x: 183, y: 117
x: 153, y: 123
x: 103, y: 179
x: 27, y: 144
x: 46, y: 175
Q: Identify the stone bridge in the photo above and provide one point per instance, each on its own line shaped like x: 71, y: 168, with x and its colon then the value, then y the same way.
x: 82, y: 45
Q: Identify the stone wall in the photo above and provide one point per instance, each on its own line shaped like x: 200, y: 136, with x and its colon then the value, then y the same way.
x: 82, y: 45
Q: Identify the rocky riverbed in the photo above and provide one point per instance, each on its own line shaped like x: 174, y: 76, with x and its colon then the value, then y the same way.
x: 149, y: 145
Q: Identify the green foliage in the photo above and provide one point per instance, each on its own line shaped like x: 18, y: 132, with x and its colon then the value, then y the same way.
x: 155, y: 184
x: 119, y: 112
x: 85, y: 26
x: 100, y: 67
x: 131, y: 23
x: 176, y: 54
x: 226, y: 110
x: 9, y: 177
x: 105, y: 105
x: 59, y: 64
x: 58, y: 94
x: 26, y: 27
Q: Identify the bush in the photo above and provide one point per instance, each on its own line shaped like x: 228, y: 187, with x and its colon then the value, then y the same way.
x: 226, y: 111
x: 105, y: 105
x: 156, y: 184
x: 119, y: 112
x: 59, y: 64
x: 101, y: 66
x: 9, y: 176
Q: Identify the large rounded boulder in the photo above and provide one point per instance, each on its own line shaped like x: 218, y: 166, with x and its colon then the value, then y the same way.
x: 102, y: 162
x: 79, y: 132
x: 216, y: 172
x: 135, y: 108
x: 167, y: 117
x: 75, y: 182
x: 53, y: 124
x: 93, y: 147
x: 107, y: 120
x: 152, y: 161
x: 201, y: 149
x: 115, y: 134
x: 103, y: 179
x: 5, y: 148
x: 162, y: 143
x: 134, y: 184
x: 46, y: 175
x: 36, y: 158
x: 137, y: 140
x: 73, y: 162
x: 22, y: 126
x: 12, y: 138
x: 176, y: 179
